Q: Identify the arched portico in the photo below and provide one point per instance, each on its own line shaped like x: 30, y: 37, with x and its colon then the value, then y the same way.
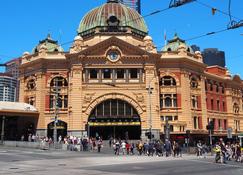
x: 114, y: 118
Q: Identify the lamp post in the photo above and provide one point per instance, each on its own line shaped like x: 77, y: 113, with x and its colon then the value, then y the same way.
x: 2, y: 132
x: 150, y: 109
x: 56, y: 114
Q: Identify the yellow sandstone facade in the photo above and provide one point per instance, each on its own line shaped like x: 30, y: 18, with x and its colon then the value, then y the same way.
x: 114, y: 82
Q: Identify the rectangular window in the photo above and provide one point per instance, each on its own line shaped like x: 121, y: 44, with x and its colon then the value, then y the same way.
x: 218, y: 105
x: 133, y: 73
x: 223, y: 106
x: 174, y: 100
x: 107, y: 73
x: 65, y: 101
x: 195, y: 122
x: 169, y: 118
x: 225, y: 124
x: 212, y: 105
x: 175, y: 118
x: 120, y: 73
x: 93, y: 74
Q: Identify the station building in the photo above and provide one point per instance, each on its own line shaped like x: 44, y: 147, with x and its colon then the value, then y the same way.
x: 114, y: 82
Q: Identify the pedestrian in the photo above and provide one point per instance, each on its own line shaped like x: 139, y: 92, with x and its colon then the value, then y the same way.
x: 128, y: 148
x: 99, y: 144
x: 199, y: 149
x: 223, y: 150
x: 123, y: 145
x: 167, y: 148
x: 132, y: 148
x: 218, y: 152
x: 117, y: 147
x: 22, y: 138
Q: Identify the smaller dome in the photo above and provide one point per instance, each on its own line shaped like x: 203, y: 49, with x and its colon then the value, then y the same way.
x: 148, y: 38
x: 174, y: 44
x: 49, y: 44
x: 78, y: 38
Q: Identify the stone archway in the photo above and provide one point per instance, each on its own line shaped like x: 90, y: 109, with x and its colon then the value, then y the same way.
x: 114, y: 118
x: 61, y: 129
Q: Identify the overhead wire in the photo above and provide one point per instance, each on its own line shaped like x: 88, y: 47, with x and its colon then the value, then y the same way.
x: 211, y: 7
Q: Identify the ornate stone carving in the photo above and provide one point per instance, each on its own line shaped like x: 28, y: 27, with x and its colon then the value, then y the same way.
x: 199, y: 55
x: 88, y: 97
x: 139, y: 97
x: 43, y: 50
x: 77, y: 45
x: 149, y: 45
x: 182, y: 50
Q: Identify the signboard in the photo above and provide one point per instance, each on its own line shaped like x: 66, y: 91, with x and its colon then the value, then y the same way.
x: 114, y: 123
x: 229, y: 133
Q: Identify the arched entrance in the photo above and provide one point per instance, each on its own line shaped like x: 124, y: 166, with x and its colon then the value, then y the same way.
x: 114, y: 118
x: 61, y: 129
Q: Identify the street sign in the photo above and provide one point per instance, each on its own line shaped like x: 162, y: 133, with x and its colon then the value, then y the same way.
x: 229, y: 133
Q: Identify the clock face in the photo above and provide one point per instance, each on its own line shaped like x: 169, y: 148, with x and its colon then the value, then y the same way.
x: 113, y: 56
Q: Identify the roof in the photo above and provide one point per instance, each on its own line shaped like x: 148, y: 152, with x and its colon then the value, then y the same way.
x: 174, y: 44
x: 50, y: 44
x: 17, y: 106
x: 120, y: 15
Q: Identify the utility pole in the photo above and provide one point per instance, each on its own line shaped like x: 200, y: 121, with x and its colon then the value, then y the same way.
x: 2, y: 132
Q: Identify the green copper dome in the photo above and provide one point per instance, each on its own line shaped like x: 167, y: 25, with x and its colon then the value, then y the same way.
x: 113, y: 15
x: 175, y: 43
x: 50, y: 44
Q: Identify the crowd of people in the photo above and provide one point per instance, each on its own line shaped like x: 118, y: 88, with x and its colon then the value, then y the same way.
x: 223, y: 151
x: 148, y: 148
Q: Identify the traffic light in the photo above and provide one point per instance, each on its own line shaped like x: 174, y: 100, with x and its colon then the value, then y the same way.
x: 210, y: 126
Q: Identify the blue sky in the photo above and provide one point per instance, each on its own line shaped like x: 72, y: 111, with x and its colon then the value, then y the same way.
x: 25, y: 22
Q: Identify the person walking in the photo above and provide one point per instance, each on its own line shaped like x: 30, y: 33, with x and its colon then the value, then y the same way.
x: 167, y: 148
x: 199, y: 149
x: 99, y: 144
x: 117, y: 147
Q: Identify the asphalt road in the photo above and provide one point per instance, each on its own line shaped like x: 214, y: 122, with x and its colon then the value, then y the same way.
x: 38, y: 162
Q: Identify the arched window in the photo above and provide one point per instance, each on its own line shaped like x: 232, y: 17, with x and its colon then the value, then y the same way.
x: 167, y: 81
x: 169, y: 49
x: 31, y: 84
x: 59, y: 82
x: 194, y: 83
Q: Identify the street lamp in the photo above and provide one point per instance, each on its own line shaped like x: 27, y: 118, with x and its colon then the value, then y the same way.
x: 2, y: 132
x: 150, y: 110
x: 56, y: 113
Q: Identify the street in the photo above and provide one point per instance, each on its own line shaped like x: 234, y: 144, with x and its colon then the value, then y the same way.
x: 39, y: 162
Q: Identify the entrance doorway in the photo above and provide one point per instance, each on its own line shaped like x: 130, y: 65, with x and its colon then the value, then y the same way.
x: 114, y: 118
x: 61, y: 129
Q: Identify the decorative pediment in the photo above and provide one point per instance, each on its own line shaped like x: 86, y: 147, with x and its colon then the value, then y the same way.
x: 126, y: 49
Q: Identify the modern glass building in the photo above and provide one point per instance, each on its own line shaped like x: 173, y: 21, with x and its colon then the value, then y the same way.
x: 8, y: 86
x: 135, y: 4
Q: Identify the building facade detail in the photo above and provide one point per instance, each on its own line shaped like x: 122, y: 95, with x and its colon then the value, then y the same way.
x: 114, y: 82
